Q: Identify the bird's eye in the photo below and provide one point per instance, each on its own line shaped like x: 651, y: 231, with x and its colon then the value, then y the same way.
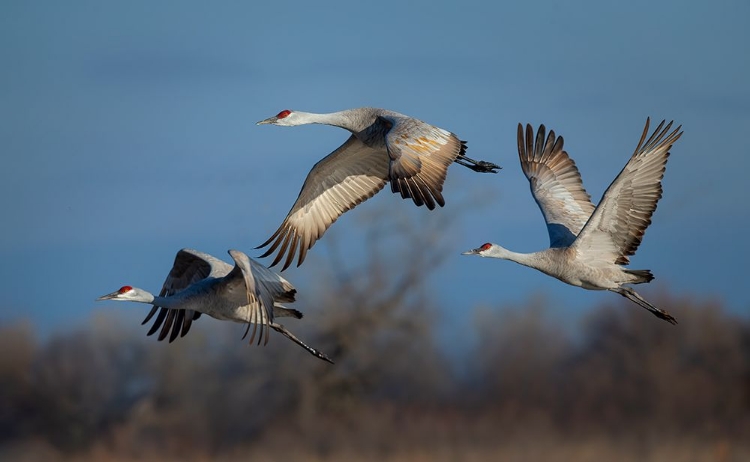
x: 283, y: 114
x: 485, y: 246
x: 124, y: 289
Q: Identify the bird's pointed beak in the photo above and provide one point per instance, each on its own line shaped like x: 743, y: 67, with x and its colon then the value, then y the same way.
x: 111, y: 296
x: 267, y: 121
x: 471, y: 252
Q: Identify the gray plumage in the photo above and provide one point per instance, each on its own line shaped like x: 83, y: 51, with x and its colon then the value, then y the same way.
x: 247, y: 292
x: 589, y: 245
x: 384, y: 146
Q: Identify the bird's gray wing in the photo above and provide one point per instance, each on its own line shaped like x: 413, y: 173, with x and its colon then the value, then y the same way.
x: 420, y: 155
x: 262, y: 288
x: 555, y: 184
x: 190, y: 266
x: 281, y: 290
x: 339, y: 182
x: 616, y: 227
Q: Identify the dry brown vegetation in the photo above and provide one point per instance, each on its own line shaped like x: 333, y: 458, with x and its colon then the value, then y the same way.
x: 624, y: 387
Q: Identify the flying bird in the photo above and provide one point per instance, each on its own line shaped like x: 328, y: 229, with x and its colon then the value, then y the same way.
x: 384, y: 146
x: 247, y: 292
x: 588, y: 245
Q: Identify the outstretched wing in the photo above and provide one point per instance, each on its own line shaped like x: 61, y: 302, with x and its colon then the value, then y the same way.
x: 190, y: 266
x: 616, y: 227
x: 555, y: 184
x: 339, y: 182
x: 263, y: 288
x: 420, y: 155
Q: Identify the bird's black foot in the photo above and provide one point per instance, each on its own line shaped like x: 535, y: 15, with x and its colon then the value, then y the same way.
x: 661, y: 314
x: 481, y: 166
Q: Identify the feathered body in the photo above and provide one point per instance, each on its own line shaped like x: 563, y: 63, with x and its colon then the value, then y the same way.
x: 589, y: 245
x: 384, y: 146
x: 199, y: 283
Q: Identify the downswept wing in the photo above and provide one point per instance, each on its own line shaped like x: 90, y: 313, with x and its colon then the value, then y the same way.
x: 420, y: 155
x: 337, y: 183
x: 617, y: 225
x: 263, y: 288
x: 190, y: 266
x: 555, y: 184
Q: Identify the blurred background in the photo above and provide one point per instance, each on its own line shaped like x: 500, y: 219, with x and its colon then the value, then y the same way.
x: 128, y: 132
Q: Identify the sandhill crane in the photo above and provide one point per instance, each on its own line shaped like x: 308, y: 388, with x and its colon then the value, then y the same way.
x: 200, y: 283
x: 384, y: 146
x: 588, y: 245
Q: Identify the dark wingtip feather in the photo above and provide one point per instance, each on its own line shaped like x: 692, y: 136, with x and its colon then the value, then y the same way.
x: 167, y: 325
x: 520, y: 141
x: 405, y: 184
x: 186, y: 325
x: 150, y: 314
x: 270, y: 238
x: 421, y: 194
x: 252, y: 336
x: 427, y: 192
x: 292, y: 250
x: 177, y: 326
x: 267, y: 252
x: 439, y: 199
x: 303, y: 252
x: 157, y: 323
x: 282, y: 249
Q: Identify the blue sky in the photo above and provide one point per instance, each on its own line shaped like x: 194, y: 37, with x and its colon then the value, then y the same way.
x: 128, y: 131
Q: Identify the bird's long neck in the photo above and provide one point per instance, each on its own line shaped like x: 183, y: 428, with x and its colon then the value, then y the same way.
x: 164, y: 302
x: 526, y: 259
x: 341, y: 119
x: 147, y: 297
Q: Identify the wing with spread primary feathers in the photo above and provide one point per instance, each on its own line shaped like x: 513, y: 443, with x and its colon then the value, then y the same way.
x: 555, y: 184
x: 190, y: 266
x: 339, y: 182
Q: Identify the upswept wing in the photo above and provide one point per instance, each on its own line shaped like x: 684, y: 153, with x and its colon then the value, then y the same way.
x: 190, y: 266
x: 263, y: 288
x: 617, y: 225
x: 339, y: 182
x: 555, y: 184
x: 420, y: 155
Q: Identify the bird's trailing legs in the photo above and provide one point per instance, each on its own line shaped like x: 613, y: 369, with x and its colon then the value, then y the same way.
x: 633, y: 296
x: 481, y: 166
x: 293, y: 338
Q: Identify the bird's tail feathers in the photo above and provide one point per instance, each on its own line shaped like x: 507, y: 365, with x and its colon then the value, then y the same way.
x: 280, y: 311
x: 288, y: 296
x: 642, y: 275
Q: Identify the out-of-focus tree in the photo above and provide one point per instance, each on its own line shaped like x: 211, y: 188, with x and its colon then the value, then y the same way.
x: 519, y: 363
x: 17, y: 351
x: 83, y: 382
x: 375, y: 317
x: 648, y: 377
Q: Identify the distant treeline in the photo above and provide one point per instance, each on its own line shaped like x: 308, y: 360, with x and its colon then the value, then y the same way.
x: 625, y: 375
x: 626, y: 386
